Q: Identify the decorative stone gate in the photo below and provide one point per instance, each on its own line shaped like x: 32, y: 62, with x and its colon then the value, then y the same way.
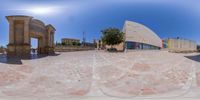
x: 22, y: 29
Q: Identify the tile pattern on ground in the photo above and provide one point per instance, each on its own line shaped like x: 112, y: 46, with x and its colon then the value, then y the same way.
x: 132, y: 74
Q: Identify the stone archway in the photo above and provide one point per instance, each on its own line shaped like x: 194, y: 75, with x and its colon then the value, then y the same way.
x: 22, y: 29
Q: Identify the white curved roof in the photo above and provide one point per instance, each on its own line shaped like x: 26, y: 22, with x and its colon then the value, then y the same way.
x: 139, y: 33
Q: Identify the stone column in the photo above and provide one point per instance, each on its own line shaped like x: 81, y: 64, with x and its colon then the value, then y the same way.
x: 48, y: 37
x: 11, y: 45
x: 53, y: 39
x: 11, y: 32
x: 26, y: 32
x: 50, y: 40
x: 41, y: 45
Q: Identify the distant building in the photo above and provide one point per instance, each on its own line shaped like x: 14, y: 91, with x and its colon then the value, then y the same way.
x: 179, y: 44
x: 89, y: 44
x: 99, y: 44
x: 69, y: 41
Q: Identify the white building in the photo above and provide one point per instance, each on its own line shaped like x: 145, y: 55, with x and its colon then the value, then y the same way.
x: 138, y: 36
x: 179, y: 44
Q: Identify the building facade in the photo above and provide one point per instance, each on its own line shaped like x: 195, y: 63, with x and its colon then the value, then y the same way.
x: 178, y: 44
x: 99, y: 45
x: 138, y: 37
x: 69, y: 41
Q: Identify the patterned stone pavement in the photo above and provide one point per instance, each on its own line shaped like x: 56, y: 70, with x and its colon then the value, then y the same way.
x: 140, y: 74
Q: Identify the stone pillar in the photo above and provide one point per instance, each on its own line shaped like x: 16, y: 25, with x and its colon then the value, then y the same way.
x: 11, y: 32
x: 50, y: 39
x: 40, y: 45
x: 53, y: 39
x: 19, y: 40
x: 11, y: 51
x: 26, y: 32
x: 26, y: 42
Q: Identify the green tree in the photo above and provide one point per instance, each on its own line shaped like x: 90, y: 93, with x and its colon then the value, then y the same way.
x: 58, y: 44
x: 79, y: 44
x: 198, y: 48
x: 112, y: 36
x: 63, y: 43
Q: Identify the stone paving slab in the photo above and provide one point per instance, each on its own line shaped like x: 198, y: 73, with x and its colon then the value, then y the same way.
x: 134, y: 74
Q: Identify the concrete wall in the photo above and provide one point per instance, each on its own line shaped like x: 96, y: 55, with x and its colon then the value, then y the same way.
x: 136, y: 32
x: 182, y: 45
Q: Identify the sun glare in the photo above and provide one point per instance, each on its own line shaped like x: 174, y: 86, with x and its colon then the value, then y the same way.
x: 41, y: 10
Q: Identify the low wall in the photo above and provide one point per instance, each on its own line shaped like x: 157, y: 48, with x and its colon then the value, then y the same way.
x: 2, y: 50
x: 72, y: 48
x: 119, y: 47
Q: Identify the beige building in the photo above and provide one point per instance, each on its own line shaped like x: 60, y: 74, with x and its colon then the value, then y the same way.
x: 22, y: 29
x: 138, y: 36
x: 99, y: 45
x: 177, y: 44
x: 69, y: 41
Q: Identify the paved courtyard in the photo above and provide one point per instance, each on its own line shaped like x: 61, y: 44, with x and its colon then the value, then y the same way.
x: 140, y: 74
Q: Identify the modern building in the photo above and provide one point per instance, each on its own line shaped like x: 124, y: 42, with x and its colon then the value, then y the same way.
x: 179, y: 44
x: 70, y: 41
x: 138, y: 37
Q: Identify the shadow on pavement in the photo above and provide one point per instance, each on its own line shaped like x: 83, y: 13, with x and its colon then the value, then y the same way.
x: 18, y: 60
x: 195, y: 58
x: 9, y: 60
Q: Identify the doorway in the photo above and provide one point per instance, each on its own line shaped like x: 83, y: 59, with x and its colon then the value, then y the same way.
x: 34, y: 46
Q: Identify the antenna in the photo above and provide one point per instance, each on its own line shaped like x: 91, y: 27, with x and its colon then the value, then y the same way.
x: 84, y: 39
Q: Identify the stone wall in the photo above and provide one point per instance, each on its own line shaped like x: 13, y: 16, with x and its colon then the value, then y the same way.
x: 22, y: 28
x: 72, y: 48
x: 119, y: 47
x: 1, y: 50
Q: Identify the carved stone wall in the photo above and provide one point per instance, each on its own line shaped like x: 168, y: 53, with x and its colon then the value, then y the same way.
x: 22, y: 29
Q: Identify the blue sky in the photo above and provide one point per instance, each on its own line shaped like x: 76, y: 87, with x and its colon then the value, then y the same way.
x: 167, y: 18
